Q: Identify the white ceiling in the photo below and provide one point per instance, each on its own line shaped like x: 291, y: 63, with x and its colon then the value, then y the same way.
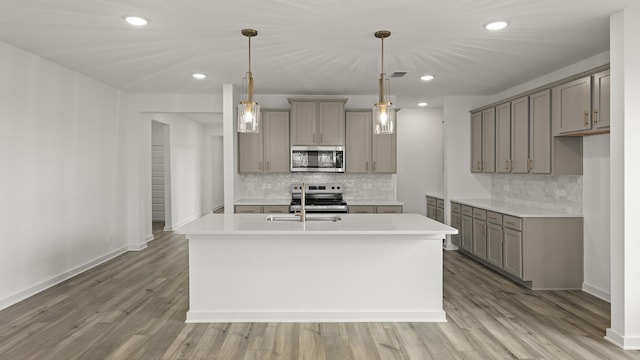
x: 312, y: 47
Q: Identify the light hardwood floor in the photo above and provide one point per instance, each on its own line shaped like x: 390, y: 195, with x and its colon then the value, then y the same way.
x: 134, y: 306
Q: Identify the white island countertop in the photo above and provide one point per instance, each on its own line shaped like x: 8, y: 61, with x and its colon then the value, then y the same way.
x: 353, y: 224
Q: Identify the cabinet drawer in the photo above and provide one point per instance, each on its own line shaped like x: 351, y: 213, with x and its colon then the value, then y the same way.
x: 479, y: 214
x: 466, y: 210
x: 389, y: 209
x: 512, y: 222
x: 362, y: 209
x: 494, y: 217
x: 277, y: 209
x: 431, y: 201
x: 440, y: 203
x: 248, y: 209
x: 455, y: 207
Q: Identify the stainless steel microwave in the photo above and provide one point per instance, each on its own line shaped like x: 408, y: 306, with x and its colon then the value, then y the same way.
x: 317, y: 159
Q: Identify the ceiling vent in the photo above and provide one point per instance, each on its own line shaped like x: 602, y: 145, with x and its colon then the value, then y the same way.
x: 398, y: 74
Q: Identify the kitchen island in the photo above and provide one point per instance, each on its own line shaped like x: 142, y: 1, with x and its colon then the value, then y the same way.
x: 363, y: 267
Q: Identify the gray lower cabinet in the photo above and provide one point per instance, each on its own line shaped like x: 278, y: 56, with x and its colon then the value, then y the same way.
x: 538, y: 252
x: 262, y: 209
x: 466, y: 238
x: 456, y: 222
x: 375, y: 209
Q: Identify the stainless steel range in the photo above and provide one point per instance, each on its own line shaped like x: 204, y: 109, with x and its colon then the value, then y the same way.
x: 319, y: 198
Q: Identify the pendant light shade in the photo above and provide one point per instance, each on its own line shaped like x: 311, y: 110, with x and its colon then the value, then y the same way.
x: 384, y: 113
x: 248, y: 110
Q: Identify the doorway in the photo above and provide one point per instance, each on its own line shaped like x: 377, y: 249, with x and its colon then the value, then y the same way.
x: 160, y: 177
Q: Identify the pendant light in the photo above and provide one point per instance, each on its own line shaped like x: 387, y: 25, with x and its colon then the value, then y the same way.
x: 248, y: 110
x: 384, y: 113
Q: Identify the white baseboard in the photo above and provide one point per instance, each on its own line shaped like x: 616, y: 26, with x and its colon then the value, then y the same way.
x: 44, y: 285
x: 185, y: 222
x: 597, y: 292
x: 137, y: 247
x: 625, y: 342
x: 315, y: 316
x: 149, y: 237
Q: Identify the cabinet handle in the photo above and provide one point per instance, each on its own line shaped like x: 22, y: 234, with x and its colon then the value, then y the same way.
x: 595, y: 116
x: 586, y: 118
x: 366, y: 165
x: 529, y: 164
x: 479, y: 166
x: 374, y: 166
x: 506, y: 164
x: 268, y: 165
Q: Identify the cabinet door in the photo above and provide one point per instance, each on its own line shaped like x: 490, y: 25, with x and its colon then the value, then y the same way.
x: 250, y: 153
x: 503, y: 138
x: 601, y: 100
x: 476, y: 142
x: 519, y: 135
x: 440, y: 215
x: 383, y: 153
x: 489, y: 140
x: 389, y: 209
x: 571, y: 104
x: 494, y: 244
x: 513, y: 252
x: 480, y: 238
x: 331, y: 123
x: 540, y: 132
x: 362, y: 209
x: 456, y: 222
x: 276, y: 138
x: 431, y: 212
x: 248, y: 209
x: 467, y: 233
x: 358, y: 142
x: 304, y: 122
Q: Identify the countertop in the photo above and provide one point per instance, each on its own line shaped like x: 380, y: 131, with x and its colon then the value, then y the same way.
x: 350, y: 224
x: 514, y: 209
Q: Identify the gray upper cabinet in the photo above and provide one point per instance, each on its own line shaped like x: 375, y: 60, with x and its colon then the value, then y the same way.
x: 358, y: 144
x: 518, y: 162
x: 251, y: 152
x: 276, y: 141
x: 540, y: 132
x: 572, y: 106
x: 601, y: 100
x: 317, y: 122
x: 503, y: 138
x: 489, y: 140
x: 476, y: 142
x: 365, y: 152
x: 268, y: 150
x: 384, y: 153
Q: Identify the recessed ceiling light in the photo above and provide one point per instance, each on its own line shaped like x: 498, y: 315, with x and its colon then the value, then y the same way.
x: 136, y: 20
x: 199, y: 76
x: 422, y: 104
x: 427, y: 77
x: 496, y: 25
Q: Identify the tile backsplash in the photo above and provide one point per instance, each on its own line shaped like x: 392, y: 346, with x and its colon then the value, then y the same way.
x: 562, y: 193
x: 356, y: 186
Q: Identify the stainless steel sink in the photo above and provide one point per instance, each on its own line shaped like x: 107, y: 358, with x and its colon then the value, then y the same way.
x: 333, y: 218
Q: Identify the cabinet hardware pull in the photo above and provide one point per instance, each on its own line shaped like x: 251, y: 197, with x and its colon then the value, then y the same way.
x: 366, y: 165
x: 595, y: 116
x: 586, y: 118
x: 374, y: 166
x: 478, y: 166
x: 506, y: 164
x: 530, y: 164
x: 268, y: 165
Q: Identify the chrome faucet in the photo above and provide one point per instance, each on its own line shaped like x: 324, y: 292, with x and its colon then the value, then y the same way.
x: 302, y: 213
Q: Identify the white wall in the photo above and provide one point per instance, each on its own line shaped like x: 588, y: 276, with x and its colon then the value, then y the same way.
x: 595, y: 209
x: 186, y: 149
x: 60, y: 189
x: 420, y: 157
x: 212, y: 167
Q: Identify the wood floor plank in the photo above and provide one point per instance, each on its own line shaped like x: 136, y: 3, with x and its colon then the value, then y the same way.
x: 134, y: 306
